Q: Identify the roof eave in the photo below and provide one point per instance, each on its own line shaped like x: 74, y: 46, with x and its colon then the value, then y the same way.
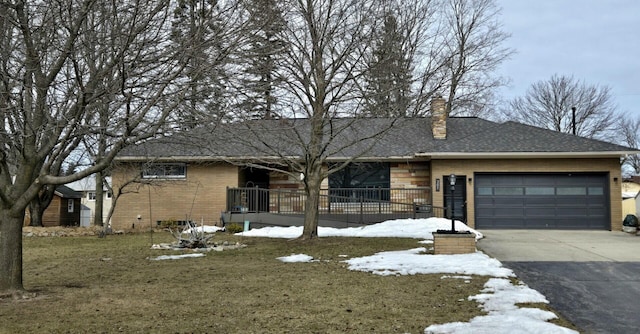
x: 524, y: 155
x: 201, y: 158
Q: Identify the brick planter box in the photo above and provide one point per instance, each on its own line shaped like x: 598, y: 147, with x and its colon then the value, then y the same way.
x: 458, y: 243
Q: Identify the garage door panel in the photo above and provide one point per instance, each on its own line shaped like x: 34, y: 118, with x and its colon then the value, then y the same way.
x: 544, y: 200
x: 571, y: 223
x: 571, y: 211
x: 540, y: 223
x: 508, y: 223
x: 508, y: 212
x: 508, y: 201
x: 540, y: 212
x: 540, y: 201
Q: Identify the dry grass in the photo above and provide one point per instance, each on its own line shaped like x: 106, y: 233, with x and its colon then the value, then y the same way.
x: 92, y: 285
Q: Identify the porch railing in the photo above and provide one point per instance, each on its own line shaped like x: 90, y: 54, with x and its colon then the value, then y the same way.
x: 411, y: 202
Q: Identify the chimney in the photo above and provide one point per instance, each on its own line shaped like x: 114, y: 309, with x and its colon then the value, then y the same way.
x: 439, y: 117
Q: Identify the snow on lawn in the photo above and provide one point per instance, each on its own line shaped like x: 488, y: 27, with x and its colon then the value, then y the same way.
x: 205, y: 229
x: 176, y: 257
x: 414, y: 261
x: 399, y: 228
x: 296, y: 258
x: 498, y: 299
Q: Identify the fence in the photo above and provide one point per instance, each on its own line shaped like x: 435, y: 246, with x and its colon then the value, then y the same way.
x: 399, y: 202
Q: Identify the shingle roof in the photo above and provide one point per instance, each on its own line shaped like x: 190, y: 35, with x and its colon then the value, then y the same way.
x: 376, y: 138
x: 66, y: 192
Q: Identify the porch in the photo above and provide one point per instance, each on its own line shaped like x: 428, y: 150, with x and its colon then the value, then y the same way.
x: 341, y: 207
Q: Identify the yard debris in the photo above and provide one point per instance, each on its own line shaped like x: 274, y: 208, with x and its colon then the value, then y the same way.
x: 190, y: 237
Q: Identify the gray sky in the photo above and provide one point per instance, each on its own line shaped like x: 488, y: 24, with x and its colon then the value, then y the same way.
x: 594, y: 40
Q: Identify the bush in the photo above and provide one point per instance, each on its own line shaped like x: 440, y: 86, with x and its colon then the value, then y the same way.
x: 169, y: 223
x: 234, y: 228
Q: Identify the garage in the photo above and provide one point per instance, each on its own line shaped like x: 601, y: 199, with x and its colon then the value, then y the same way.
x: 542, y: 201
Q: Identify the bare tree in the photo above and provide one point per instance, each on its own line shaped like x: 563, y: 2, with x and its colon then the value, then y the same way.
x: 327, y: 50
x: 428, y: 47
x: 49, y: 93
x: 549, y: 104
x: 629, y: 132
x: 342, y: 61
x: 207, y: 31
x: 474, y: 46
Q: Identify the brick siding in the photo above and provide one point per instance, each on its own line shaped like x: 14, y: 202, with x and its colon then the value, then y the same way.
x: 199, y: 197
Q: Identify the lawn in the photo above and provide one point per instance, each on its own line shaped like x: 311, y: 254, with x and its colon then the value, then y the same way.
x: 110, y: 285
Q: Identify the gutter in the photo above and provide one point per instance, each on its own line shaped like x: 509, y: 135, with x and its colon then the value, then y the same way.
x: 525, y: 155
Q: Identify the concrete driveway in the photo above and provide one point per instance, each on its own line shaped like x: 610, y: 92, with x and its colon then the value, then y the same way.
x: 591, y: 277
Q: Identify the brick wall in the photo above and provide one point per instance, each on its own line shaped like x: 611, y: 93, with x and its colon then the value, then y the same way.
x: 202, y: 195
x: 470, y: 166
x: 409, y: 175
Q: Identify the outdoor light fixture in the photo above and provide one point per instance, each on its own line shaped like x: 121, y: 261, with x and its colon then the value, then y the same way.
x: 452, y: 182
x: 437, y: 184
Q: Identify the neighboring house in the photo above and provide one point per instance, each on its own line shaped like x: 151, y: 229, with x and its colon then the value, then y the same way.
x: 630, y: 191
x: 508, y: 175
x: 64, y: 209
x: 87, y: 188
x: 638, y: 205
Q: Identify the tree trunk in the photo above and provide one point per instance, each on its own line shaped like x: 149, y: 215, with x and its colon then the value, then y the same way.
x: 11, y: 252
x: 99, y: 207
x: 35, y: 213
x: 313, y: 181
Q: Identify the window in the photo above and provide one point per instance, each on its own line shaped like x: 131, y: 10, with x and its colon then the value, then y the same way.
x: 484, y: 191
x: 70, y: 205
x: 91, y: 196
x: 571, y: 191
x: 165, y: 171
x: 540, y: 190
x: 366, y: 180
x: 596, y: 191
x: 508, y: 191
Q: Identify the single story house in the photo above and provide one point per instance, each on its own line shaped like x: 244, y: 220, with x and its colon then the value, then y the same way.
x: 64, y: 209
x: 507, y: 175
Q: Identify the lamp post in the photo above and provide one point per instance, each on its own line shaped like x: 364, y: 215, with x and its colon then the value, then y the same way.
x: 452, y: 182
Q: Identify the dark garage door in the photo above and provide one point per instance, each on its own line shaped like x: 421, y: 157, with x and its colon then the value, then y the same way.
x: 542, y: 201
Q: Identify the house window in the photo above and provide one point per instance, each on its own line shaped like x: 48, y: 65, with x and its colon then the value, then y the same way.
x: 91, y: 196
x: 165, y: 171
x: 70, y: 205
x: 365, y: 180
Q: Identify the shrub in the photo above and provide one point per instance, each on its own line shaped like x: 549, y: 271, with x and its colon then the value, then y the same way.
x: 234, y: 228
x: 169, y: 223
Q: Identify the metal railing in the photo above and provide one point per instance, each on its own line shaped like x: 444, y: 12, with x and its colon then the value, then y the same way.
x: 397, y: 202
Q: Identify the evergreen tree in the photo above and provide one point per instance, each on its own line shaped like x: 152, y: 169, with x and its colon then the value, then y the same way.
x: 389, y: 78
x: 265, y: 46
x: 198, y: 27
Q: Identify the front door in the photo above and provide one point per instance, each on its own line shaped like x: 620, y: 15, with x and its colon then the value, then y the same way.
x: 258, y: 197
x: 457, y: 197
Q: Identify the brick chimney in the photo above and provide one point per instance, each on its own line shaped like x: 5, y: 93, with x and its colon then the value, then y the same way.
x: 439, y: 117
